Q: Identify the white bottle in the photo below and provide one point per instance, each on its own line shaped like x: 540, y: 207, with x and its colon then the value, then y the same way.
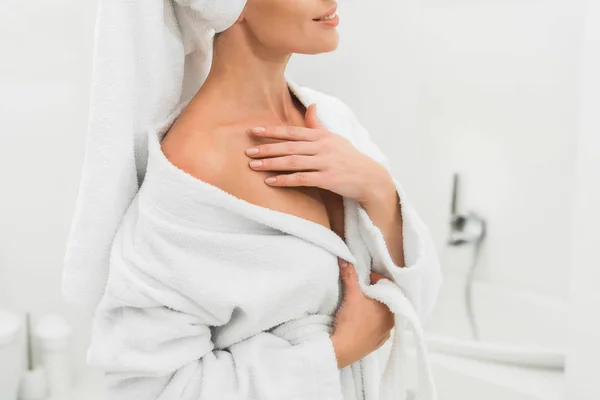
x: 32, y: 385
x: 11, y: 360
x: 53, y: 334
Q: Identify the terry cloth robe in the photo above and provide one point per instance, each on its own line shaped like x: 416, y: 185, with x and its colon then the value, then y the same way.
x: 211, y: 297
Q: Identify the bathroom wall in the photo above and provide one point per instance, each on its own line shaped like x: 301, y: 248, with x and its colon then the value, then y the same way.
x: 495, y: 84
x: 44, y: 81
x: 496, y: 92
x: 582, y: 360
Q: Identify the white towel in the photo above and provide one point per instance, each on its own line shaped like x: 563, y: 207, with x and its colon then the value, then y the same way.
x: 148, y: 56
x: 167, y: 324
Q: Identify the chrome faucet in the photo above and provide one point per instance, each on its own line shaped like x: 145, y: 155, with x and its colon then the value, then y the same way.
x: 466, y: 229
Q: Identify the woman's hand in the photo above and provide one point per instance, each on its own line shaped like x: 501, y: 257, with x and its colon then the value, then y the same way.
x: 318, y: 157
x: 361, y: 325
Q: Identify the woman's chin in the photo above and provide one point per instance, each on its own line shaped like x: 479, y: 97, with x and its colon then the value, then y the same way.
x: 334, y: 42
x: 326, y: 44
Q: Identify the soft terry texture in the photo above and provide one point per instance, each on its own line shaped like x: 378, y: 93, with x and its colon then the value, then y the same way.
x: 212, y: 297
x: 148, y: 56
x: 197, y: 294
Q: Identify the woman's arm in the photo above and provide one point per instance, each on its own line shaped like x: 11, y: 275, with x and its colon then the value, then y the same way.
x: 159, y: 353
x: 149, y: 348
x: 384, y: 208
x: 399, y: 241
x: 353, y: 166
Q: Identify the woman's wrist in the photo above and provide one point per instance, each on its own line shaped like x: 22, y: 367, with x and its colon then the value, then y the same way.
x: 378, y: 191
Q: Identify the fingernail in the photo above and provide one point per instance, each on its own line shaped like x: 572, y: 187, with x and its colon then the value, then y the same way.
x: 252, y: 150
x: 344, y: 263
x: 255, y: 163
x: 259, y: 129
x: 270, y: 180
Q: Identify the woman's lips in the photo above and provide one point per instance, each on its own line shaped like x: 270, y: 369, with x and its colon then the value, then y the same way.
x: 331, y: 18
x: 331, y: 22
x: 330, y: 13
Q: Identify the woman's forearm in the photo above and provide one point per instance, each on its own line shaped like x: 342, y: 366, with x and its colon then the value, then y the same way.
x: 384, y: 208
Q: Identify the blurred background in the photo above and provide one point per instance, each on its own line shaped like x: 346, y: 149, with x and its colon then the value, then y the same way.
x: 488, y: 112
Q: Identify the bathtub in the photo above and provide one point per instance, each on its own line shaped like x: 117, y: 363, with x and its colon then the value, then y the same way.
x: 521, y: 351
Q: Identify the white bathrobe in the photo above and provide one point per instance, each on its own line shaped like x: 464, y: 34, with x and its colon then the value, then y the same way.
x: 211, y: 297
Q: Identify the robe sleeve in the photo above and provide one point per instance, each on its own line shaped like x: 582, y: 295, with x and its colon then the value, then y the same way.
x: 150, y: 349
x: 421, y: 278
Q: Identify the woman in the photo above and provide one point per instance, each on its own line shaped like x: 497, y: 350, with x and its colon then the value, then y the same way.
x: 220, y: 281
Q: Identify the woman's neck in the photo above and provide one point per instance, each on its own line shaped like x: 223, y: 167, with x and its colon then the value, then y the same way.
x: 248, y: 79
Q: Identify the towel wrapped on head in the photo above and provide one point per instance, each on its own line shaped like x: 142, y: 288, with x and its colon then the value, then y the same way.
x: 149, y: 57
x: 197, y: 18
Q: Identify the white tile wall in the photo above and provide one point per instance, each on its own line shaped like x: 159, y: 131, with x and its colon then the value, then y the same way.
x: 496, y: 92
x: 496, y: 88
x: 582, y: 360
x: 44, y: 81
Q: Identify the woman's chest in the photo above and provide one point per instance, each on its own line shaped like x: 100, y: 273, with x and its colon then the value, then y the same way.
x: 294, y: 197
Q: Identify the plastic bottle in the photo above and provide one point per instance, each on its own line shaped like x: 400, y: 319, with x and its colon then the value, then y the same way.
x: 54, y: 333
x: 11, y: 362
x: 32, y: 385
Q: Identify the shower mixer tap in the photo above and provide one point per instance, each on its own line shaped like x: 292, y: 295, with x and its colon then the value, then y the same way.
x: 464, y: 228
